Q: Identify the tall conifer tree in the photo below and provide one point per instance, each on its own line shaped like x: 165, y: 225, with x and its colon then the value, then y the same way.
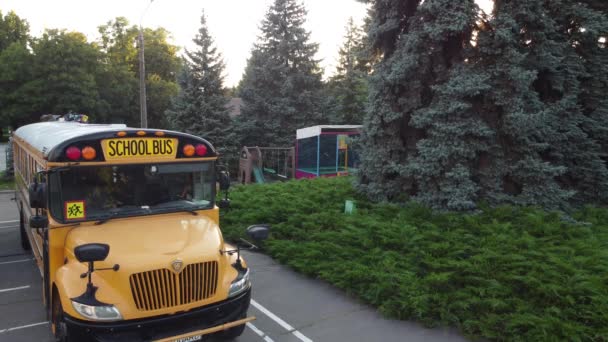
x: 416, y: 141
x: 507, y: 108
x: 348, y: 87
x: 200, y: 108
x: 281, y: 88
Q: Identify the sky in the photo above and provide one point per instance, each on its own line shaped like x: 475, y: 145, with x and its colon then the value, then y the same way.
x: 234, y: 24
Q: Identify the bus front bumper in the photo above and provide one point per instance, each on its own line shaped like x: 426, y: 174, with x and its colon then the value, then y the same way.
x: 164, y: 327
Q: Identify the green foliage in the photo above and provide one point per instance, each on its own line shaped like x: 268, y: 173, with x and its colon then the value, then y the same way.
x: 13, y: 30
x: 61, y: 71
x: 6, y: 182
x: 504, y: 274
x: 63, y: 74
x: 119, y: 77
x: 281, y: 88
x: 201, y: 106
x: 15, y: 72
x: 508, y: 108
x: 14, y: 65
x: 348, y: 87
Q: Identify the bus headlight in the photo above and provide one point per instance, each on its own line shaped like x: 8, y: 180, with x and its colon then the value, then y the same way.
x: 97, y: 313
x: 240, y: 284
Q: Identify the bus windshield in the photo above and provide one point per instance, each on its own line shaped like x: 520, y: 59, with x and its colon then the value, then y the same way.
x: 99, y: 192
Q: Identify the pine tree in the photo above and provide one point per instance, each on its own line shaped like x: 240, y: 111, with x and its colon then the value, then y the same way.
x: 506, y: 109
x: 550, y: 123
x: 200, y: 108
x: 348, y: 87
x: 281, y: 88
x: 416, y: 141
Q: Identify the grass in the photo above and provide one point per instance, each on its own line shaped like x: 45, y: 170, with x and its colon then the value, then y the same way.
x: 6, y: 183
x: 506, y: 274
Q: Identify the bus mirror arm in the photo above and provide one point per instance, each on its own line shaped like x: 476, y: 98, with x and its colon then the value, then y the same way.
x: 239, y: 247
x: 114, y: 268
x: 90, y: 253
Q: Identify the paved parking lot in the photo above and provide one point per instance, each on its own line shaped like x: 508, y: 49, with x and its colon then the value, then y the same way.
x: 288, y: 306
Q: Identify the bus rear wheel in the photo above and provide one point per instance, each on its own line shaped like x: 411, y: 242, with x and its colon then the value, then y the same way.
x: 25, y: 243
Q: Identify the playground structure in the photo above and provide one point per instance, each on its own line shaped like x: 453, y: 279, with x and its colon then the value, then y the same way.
x: 326, y: 151
x: 321, y: 151
x: 261, y: 164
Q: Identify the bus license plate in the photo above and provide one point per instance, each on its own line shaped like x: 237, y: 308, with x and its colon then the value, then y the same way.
x: 135, y: 148
x: 190, y: 339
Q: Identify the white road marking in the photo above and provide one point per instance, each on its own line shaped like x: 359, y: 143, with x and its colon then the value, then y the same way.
x: 9, y: 227
x: 13, y: 221
x: 259, y: 332
x: 22, y: 327
x: 280, y: 322
x: 15, y: 261
x: 15, y: 288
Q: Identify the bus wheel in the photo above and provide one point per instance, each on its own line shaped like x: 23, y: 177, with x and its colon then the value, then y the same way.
x: 25, y: 243
x: 60, y: 329
x: 232, y: 333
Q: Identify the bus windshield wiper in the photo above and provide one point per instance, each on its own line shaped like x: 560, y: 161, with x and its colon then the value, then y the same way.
x: 115, y: 214
x: 177, y: 209
x: 106, y: 218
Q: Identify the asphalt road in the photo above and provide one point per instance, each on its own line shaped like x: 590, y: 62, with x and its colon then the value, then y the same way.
x: 288, y: 306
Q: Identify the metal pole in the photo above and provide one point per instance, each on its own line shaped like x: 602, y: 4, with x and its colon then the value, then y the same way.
x: 142, y: 73
x: 142, y: 82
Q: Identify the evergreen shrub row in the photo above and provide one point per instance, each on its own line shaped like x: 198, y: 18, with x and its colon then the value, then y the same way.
x: 505, y: 273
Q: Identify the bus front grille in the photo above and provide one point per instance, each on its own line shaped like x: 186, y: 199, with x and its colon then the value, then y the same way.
x: 159, y: 289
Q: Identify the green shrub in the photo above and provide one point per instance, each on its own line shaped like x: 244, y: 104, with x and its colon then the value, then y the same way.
x: 507, y: 273
x: 6, y: 182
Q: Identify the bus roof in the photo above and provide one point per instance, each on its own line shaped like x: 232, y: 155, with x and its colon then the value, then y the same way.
x: 50, y: 138
x: 44, y: 136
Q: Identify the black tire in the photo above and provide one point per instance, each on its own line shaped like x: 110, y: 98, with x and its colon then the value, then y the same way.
x: 232, y: 333
x: 25, y: 243
x: 60, y: 329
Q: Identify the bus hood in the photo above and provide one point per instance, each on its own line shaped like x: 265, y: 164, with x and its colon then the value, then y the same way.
x: 146, y: 246
x: 153, y: 239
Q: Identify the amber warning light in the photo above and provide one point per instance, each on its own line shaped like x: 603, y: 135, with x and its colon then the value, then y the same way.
x: 200, y: 150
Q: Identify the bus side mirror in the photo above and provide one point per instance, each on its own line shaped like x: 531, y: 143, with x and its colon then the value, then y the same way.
x: 39, y: 221
x: 224, y: 180
x: 92, y: 252
x: 258, y: 232
x: 37, y: 192
x: 224, y: 203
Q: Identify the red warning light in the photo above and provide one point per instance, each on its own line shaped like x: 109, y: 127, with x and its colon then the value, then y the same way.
x: 73, y: 153
x: 201, y: 150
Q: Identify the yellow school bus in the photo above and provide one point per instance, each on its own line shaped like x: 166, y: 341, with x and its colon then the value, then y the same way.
x: 123, y: 224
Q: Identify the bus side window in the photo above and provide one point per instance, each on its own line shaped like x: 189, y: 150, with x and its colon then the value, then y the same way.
x: 54, y: 189
x: 202, y: 186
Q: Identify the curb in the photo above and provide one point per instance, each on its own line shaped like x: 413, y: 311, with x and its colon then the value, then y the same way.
x: 7, y: 191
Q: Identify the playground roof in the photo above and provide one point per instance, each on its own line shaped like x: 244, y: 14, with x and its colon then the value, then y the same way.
x: 314, y: 131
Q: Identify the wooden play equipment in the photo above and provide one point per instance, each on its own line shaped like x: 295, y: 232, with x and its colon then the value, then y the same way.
x: 260, y: 164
